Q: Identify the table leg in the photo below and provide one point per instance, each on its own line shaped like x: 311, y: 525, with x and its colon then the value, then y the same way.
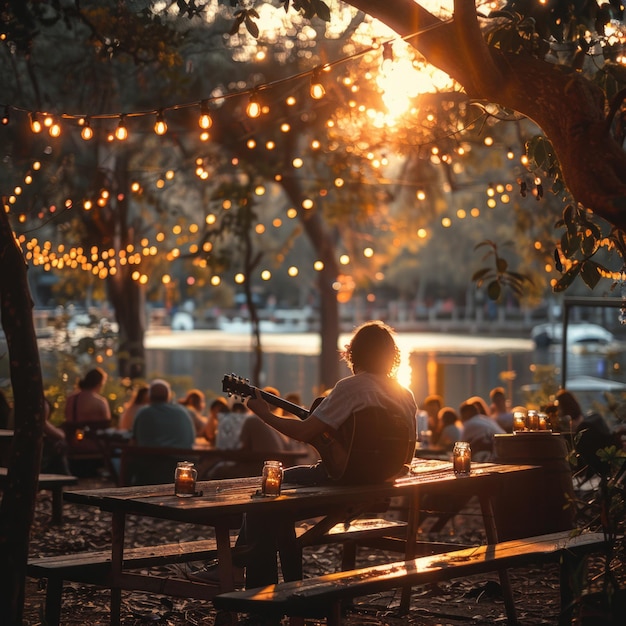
x: 57, y: 505
x: 226, y: 574
x: 411, y: 540
x: 117, y: 561
x: 489, y: 520
x: 290, y: 551
x: 224, y: 557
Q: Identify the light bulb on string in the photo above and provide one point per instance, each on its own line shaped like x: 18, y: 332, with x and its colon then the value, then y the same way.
x: 5, y: 116
x: 121, y: 132
x: 317, y: 88
x: 160, y: 127
x: 205, y: 122
x: 54, y: 130
x: 35, y: 124
x: 87, y: 132
x: 253, y: 109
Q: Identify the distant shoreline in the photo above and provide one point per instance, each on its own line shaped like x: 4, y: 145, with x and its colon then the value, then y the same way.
x: 309, y: 343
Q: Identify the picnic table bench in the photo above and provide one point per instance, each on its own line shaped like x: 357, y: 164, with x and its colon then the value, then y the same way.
x: 48, y: 482
x: 322, y: 596
x: 94, y: 567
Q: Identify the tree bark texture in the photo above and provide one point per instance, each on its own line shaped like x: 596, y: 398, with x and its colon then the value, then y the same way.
x: 568, y: 107
x: 18, y: 500
x: 126, y: 296
x: 323, y: 243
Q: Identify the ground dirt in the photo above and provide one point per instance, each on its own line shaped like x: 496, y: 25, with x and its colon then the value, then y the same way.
x: 476, y: 600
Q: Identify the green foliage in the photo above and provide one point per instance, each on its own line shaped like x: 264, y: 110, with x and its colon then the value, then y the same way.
x: 582, y: 240
x: 498, y: 276
x: 563, y: 20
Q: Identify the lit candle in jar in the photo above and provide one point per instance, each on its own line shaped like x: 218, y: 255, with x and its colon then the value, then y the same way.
x: 272, y: 478
x: 185, y: 479
x: 543, y: 421
x: 462, y: 458
x: 532, y: 420
x: 519, y: 421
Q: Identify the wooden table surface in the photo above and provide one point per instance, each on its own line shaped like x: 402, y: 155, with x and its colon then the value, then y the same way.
x: 219, y: 501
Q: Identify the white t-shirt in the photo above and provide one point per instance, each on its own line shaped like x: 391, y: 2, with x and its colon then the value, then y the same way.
x: 363, y: 390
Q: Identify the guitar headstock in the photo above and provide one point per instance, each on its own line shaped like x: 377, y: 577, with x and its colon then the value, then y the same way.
x: 237, y: 386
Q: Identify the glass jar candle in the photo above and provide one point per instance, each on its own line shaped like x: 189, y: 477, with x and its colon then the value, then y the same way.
x: 185, y: 479
x: 462, y: 458
x: 519, y: 421
x: 542, y: 421
x: 272, y: 478
x: 532, y: 420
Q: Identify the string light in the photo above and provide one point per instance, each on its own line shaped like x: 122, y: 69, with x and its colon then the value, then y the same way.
x: 253, y: 109
x: 317, y: 89
x: 54, y: 128
x: 35, y: 124
x: 160, y: 127
x: 205, y: 122
x: 121, y: 132
x: 5, y: 116
x: 87, y: 132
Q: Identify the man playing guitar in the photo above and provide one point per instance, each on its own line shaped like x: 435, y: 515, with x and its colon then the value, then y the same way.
x: 373, y: 357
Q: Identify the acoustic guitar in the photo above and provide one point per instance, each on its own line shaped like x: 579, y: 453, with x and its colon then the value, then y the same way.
x: 371, y: 446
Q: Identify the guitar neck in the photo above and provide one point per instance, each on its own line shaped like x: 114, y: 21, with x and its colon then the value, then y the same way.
x: 279, y: 402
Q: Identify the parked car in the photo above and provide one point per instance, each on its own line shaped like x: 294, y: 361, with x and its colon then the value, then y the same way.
x: 578, y: 335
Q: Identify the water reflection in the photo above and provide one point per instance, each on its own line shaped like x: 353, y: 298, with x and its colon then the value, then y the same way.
x: 429, y: 365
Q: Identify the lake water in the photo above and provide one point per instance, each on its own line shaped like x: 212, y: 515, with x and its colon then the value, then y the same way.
x: 454, y: 366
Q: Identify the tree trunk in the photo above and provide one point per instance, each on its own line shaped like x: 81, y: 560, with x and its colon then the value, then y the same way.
x: 18, y: 501
x: 125, y: 294
x: 323, y: 243
x: 127, y: 297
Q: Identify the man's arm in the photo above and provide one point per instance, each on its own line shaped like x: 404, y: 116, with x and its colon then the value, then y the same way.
x: 301, y: 430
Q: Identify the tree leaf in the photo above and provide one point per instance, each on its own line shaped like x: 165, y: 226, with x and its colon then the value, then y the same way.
x: 501, y: 264
x: 252, y: 27
x: 589, y: 273
x: 494, y: 290
x: 567, y: 279
x: 323, y: 11
x: 480, y: 274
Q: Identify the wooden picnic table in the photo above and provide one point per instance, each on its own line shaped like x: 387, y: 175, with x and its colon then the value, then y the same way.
x: 222, y: 501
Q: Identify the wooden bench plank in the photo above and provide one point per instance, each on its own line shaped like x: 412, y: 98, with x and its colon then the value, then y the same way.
x: 94, y: 567
x: 320, y: 596
x: 48, y: 482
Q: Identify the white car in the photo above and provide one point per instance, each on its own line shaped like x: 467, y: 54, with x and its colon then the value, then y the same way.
x: 578, y: 334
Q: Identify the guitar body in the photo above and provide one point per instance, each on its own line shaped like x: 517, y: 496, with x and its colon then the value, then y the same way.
x: 371, y: 446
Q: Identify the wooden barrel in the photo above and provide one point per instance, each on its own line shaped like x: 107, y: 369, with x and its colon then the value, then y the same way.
x: 538, y: 502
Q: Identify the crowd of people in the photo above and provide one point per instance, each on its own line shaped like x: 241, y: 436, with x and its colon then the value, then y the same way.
x: 153, y: 417
x: 477, y: 421
x: 474, y: 421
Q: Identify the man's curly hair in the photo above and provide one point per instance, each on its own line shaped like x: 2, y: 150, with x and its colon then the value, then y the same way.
x: 373, y: 349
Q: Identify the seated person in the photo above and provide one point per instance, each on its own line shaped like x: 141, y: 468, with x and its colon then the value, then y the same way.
x: 499, y: 409
x: 451, y: 428
x: 86, y: 410
x: 373, y: 357
x: 137, y: 400
x: 478, y: 430
x: 255, y: 437
x: 217, y: 406
x: 162, y: 423
x: 194, y: 402
x: 591, y: 433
